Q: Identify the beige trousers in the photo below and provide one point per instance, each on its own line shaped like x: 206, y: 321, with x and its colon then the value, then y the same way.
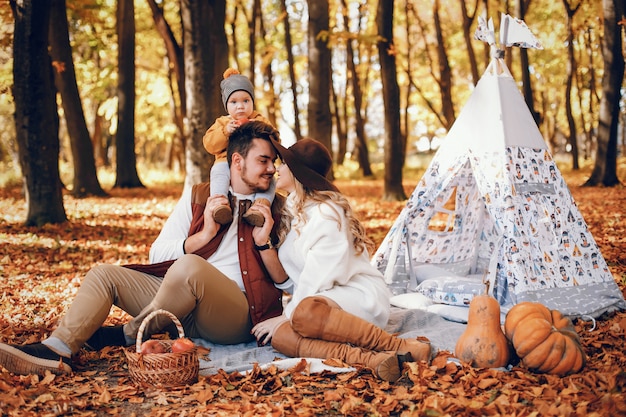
x: 208, y: 304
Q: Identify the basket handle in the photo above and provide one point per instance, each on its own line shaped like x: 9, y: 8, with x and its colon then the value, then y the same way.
x: 144, y: 323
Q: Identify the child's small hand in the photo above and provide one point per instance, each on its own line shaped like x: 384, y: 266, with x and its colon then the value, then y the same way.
x: 235, y: 123
x: 231, y: 126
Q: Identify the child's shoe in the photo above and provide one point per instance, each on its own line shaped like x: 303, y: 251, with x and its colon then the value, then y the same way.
x: 223, y: 214
x: 253, y: 216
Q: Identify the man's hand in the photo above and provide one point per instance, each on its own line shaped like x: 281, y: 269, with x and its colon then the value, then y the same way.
x: 210, y: 227
x: 212, y: 203
x: 261, y: 234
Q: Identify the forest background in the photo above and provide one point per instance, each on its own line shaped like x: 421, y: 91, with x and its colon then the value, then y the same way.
x: 378, y: 82
x: 122, y: 91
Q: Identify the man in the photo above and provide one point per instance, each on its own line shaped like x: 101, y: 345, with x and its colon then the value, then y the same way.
x: 209, y: 276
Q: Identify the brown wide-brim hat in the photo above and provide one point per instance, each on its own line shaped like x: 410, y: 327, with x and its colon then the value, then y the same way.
x: 309, y: 162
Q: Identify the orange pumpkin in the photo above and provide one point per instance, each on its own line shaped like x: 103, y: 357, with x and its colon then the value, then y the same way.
x: 483, y: 343
x: 545, y: 340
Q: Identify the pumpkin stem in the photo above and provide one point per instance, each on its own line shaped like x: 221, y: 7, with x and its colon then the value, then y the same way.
x: 486, y: 282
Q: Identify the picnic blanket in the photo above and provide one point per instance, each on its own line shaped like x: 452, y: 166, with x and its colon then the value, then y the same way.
x: 408, y: 323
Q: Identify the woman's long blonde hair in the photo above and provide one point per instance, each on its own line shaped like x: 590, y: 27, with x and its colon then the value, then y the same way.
x: 305, y: 196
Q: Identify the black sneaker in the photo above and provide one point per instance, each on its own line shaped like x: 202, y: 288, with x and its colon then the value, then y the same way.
x: 106, y: 336
x: 36, y: 358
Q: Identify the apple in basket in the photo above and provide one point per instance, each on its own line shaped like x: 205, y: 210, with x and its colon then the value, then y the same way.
x: 182, y: 345
x: 152, y: 346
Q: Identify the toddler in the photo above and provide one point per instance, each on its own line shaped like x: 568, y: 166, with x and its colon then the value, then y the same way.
x: 238, y: 99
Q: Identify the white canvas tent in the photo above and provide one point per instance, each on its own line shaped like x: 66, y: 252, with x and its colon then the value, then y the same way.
x: 493, y: 207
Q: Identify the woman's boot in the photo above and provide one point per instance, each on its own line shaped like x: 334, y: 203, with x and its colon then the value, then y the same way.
x: 386, y: 365
x: 315, y: 318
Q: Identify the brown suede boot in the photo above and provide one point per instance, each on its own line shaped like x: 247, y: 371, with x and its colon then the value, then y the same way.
x: 315, y: 318
x: 254, y: 217
x: 386, y: 365
x: 223, y: 214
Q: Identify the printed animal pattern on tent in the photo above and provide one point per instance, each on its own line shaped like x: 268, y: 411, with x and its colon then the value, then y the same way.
x: 488, y: 206
x: 562, y: 251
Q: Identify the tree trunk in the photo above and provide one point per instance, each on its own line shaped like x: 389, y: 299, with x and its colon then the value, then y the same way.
x: 173, y: 50
x: 268, y: 76
x: 85, y: 177
x: 36, y: 117
x: 361, y: 150
x: 318, y: 111
x: 405, y: 120
x: 467, y: 36
x: 593, y: 93
x: 100, y: 155
x: 583, y: 122
x: 255, y: 29
x: 394, y: 142
x: 234, y: 52
x: 342, y: 136
x: 437, y: 113
x: 527, y: 88
x: 292, y: 70
x: 100, y: 137
x: 571, y: 71
x: 340, y: 103
x: 175, y: 57
x: 126, y: 160
x: 445, y: 73
x: 605, y: 168
x: 206, y: 58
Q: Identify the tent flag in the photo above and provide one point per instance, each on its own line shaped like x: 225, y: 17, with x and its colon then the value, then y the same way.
x: 513, y: 32
x: 484, y: 31
x: 493, y: 209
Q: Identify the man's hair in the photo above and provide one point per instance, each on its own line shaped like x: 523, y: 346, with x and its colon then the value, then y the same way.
x: 240, y: 140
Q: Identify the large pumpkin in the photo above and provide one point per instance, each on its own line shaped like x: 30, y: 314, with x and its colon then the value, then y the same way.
x: 545, y: 340
x: 483, y: 343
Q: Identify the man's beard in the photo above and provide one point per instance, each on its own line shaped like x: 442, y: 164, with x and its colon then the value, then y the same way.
x: 253, y: 185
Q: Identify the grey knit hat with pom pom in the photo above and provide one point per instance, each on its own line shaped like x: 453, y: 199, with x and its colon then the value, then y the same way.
x: 234, y: 81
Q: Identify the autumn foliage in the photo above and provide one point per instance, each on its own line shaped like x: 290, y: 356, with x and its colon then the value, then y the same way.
x: 42, y: 268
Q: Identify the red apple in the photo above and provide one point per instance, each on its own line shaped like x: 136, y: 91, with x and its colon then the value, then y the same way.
x: 152, y: 346
x: 182, y: 345
x: 243, y: 120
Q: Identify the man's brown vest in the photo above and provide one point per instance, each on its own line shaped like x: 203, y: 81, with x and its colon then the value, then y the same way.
x: 264, y: 299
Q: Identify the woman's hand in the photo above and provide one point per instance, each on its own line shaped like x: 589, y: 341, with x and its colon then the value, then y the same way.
x: 265, y: 330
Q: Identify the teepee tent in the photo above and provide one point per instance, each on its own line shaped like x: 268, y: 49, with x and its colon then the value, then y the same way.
x: 492, y: 207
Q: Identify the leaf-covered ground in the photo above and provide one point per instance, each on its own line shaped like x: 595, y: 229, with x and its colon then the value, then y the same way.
x: 41, y: 269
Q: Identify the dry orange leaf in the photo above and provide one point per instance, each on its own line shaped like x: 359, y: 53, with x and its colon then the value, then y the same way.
x: 42, y: 269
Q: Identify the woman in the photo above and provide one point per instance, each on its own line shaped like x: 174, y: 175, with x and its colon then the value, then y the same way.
x: 339, y: 300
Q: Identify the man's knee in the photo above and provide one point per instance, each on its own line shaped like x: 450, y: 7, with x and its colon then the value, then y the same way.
x: 188, y: 268
x: 186, y: 265
x: 101, y: 273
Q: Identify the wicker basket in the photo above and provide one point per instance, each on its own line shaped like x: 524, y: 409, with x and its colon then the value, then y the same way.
x: 162, y: 369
